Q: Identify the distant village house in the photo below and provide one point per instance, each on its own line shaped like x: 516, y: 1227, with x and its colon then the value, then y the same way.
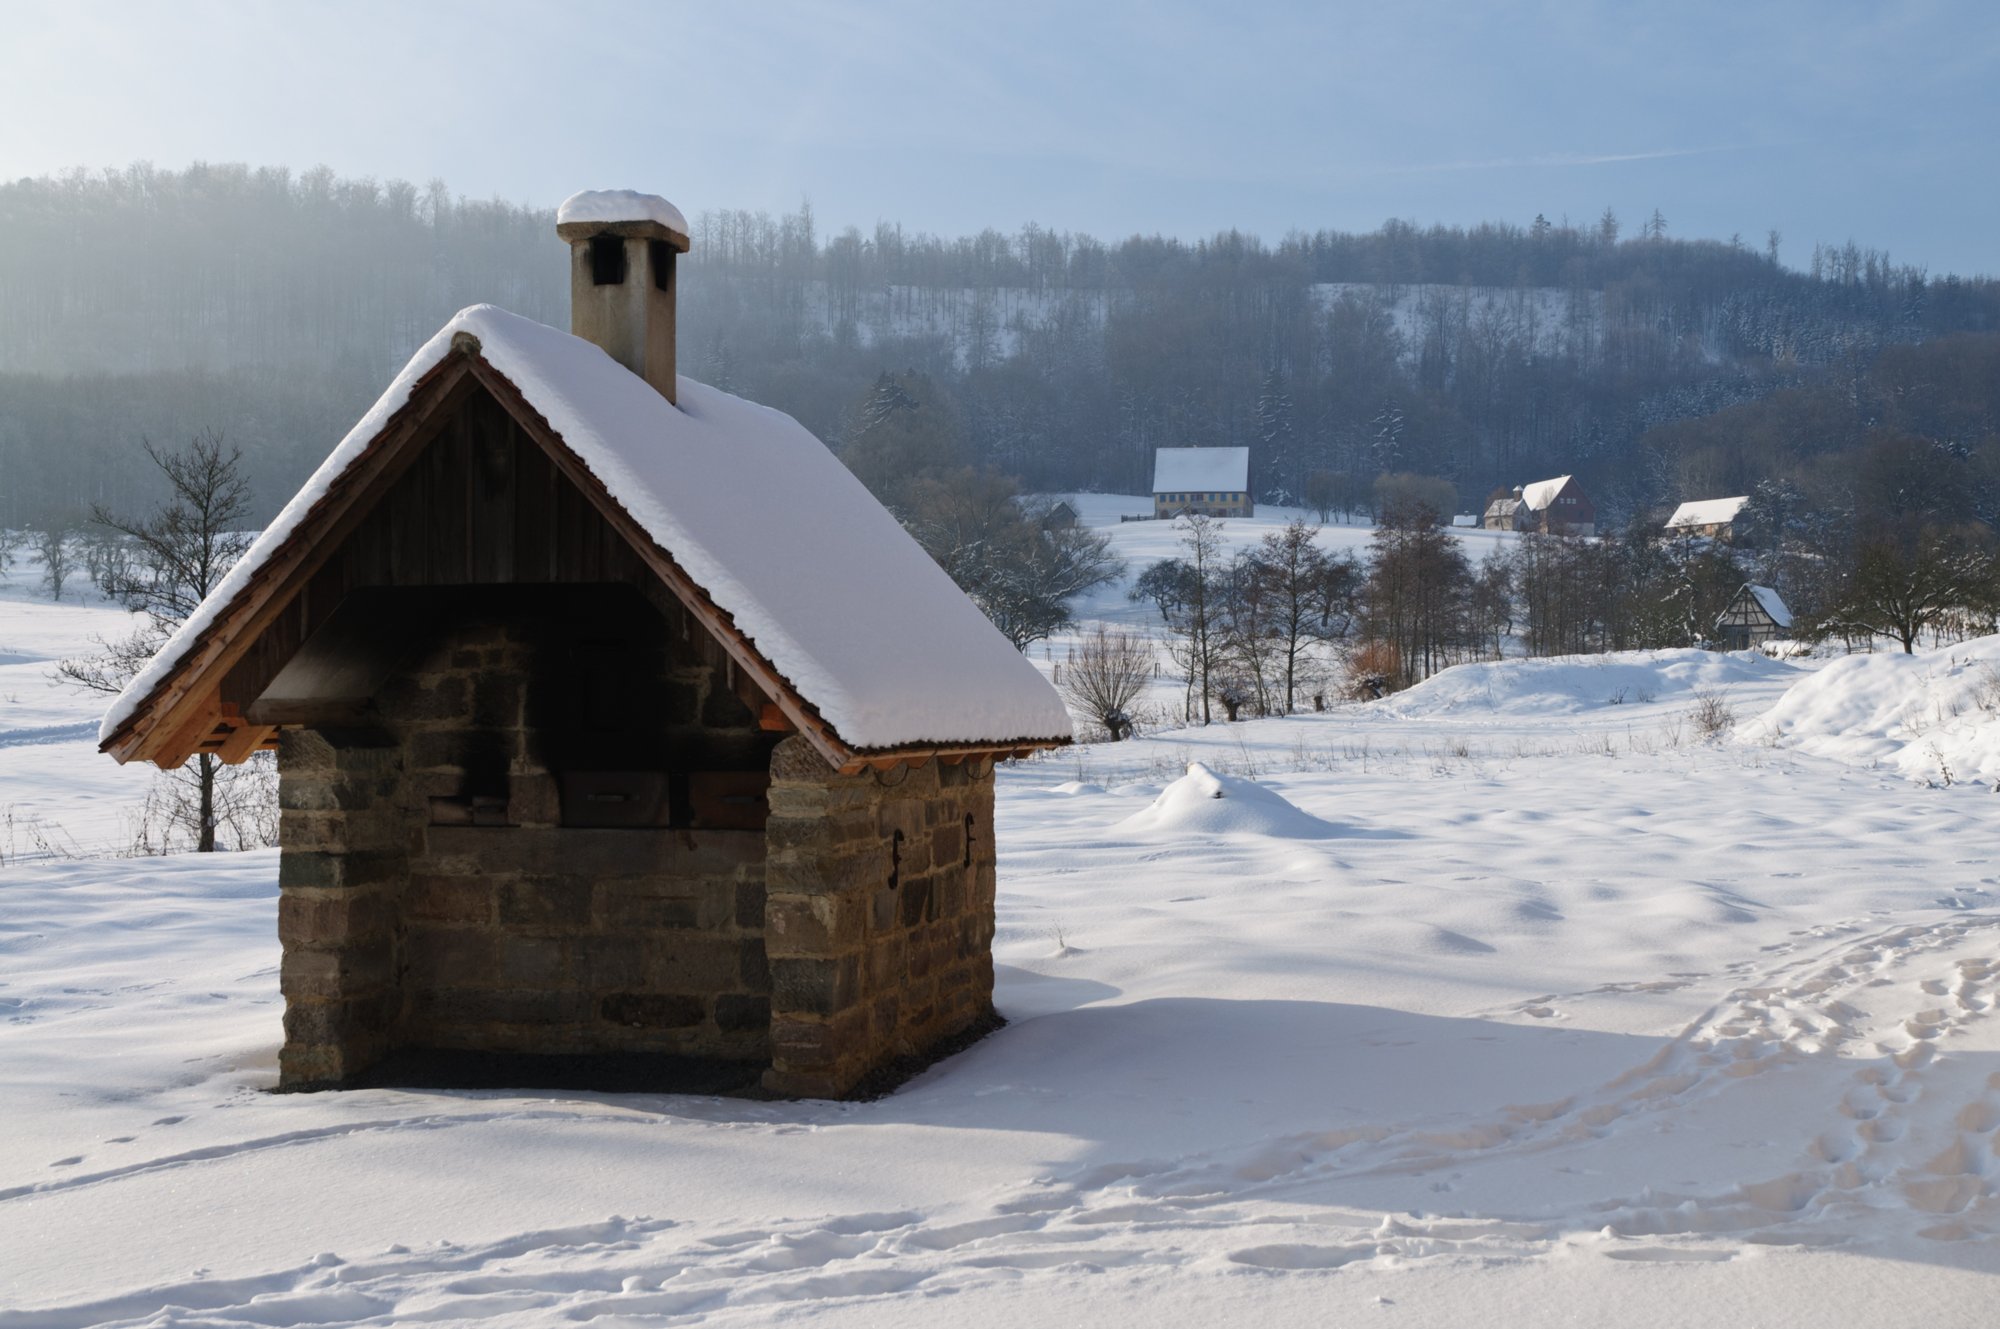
x: 1214, y: 482
x: 1548, y: 507
x: 1714, y: 518
x: 1757, y: 615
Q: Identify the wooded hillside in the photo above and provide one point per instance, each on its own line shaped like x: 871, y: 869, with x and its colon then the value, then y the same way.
x: 273, y: 307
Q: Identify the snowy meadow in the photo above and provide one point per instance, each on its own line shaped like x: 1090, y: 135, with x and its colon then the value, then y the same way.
x: 1529, y: 996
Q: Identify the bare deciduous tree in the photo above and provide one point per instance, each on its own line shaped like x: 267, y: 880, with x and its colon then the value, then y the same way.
x: 1187, y: 592
x: 1419, y: 593
x: 1018, y: 567
x: 1905, y: 587
x: 1104, y: 675
x: 55, y: 544
x: 182, y: 551
x: 1309, y: 594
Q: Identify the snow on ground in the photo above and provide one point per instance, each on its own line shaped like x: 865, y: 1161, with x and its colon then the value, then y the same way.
x: 1572, y: 684
x: 1479, y: 1011
x: 1933, y: 716
x: 56, y: 794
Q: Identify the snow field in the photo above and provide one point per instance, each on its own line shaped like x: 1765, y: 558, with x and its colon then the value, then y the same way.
x: 1508, y: 1001
x: 56, y: 795
x: 1934, y: 716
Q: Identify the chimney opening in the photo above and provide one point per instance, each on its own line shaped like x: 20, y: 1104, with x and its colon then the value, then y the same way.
x: 607, y: 260
x: 660, y: 257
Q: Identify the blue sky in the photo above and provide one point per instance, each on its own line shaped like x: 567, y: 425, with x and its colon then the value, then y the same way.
x: 1827, y: 121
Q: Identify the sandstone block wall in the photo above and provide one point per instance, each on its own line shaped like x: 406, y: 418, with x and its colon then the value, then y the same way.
x: 521, y: 935
x: 879, y: 915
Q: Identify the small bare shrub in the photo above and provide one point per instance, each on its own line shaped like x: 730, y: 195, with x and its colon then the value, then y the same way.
x: 1712, y: 715
x: 1373, y: 668
x: 1986, y: 691
x: 1107, y: 671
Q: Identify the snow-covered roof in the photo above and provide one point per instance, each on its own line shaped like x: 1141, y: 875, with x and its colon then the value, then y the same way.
x: 1706, y: 512
x: 1204, y: 470
x: 1773, y: 604
x: 1539, y: 495
x: 1503, y: 507
x: 1464, y: 519
x: 827, y: 586
x: 620, y: 205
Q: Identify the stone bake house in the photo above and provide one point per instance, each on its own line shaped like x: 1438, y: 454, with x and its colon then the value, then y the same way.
x: 622, y: 735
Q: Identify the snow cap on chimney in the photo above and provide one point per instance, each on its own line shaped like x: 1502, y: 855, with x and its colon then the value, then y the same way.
x: 621, y: 277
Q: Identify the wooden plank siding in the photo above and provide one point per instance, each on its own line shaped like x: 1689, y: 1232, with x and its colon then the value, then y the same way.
x: 461, y: 515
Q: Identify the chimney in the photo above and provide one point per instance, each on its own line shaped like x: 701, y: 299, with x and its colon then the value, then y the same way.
x: 622, y: 248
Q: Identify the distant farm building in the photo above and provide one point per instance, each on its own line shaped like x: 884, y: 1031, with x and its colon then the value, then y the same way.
x: 1714, y: 518
x: 623, y: 737
x: 1757, y: 615
x: 1550, y: 507
x: 1465, y: 521
x: 1502, y: 510
x: 1061, y: 516
x: 1212, y: 481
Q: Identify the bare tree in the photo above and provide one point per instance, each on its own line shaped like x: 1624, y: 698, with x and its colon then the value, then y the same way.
x: 1903, y: 588
x: 1187, y: 591
x: 1309, y: 594
x: 183, y: 549
x: 1018, y: 567
x: 55, y: 544
x: 1104, y: 674
x: 1419, y: 592
x: 109, y: 558
x: 1322, y: 494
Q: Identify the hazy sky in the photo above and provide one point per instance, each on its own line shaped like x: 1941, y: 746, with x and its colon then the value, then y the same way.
x: 1828, y: 120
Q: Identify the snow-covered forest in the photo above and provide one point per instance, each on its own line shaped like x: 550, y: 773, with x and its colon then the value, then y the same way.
x: 270, y: 306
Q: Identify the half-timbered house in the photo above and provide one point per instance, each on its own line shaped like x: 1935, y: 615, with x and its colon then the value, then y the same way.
x: 1756, y: 615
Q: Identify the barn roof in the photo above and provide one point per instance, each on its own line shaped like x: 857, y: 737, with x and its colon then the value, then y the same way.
x: 1539, y: 495
x: 1706, y: 512
x: 1177, y: 470
x: 1772, y: 604
x: 816, y: 575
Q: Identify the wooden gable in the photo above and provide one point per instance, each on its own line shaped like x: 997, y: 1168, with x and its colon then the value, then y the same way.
x: 466, y: 485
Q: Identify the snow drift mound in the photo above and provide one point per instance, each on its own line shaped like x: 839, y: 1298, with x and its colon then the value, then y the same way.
x: 1571, y: 684
x: 1932, y: 716
x: 1208, y: 803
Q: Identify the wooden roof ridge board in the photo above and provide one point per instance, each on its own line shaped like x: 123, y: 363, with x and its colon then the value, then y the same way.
x: 182, y: 713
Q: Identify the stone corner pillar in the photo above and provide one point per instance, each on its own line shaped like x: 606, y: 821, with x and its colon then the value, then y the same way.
x: 878, y: 917
x: 342, y: 860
